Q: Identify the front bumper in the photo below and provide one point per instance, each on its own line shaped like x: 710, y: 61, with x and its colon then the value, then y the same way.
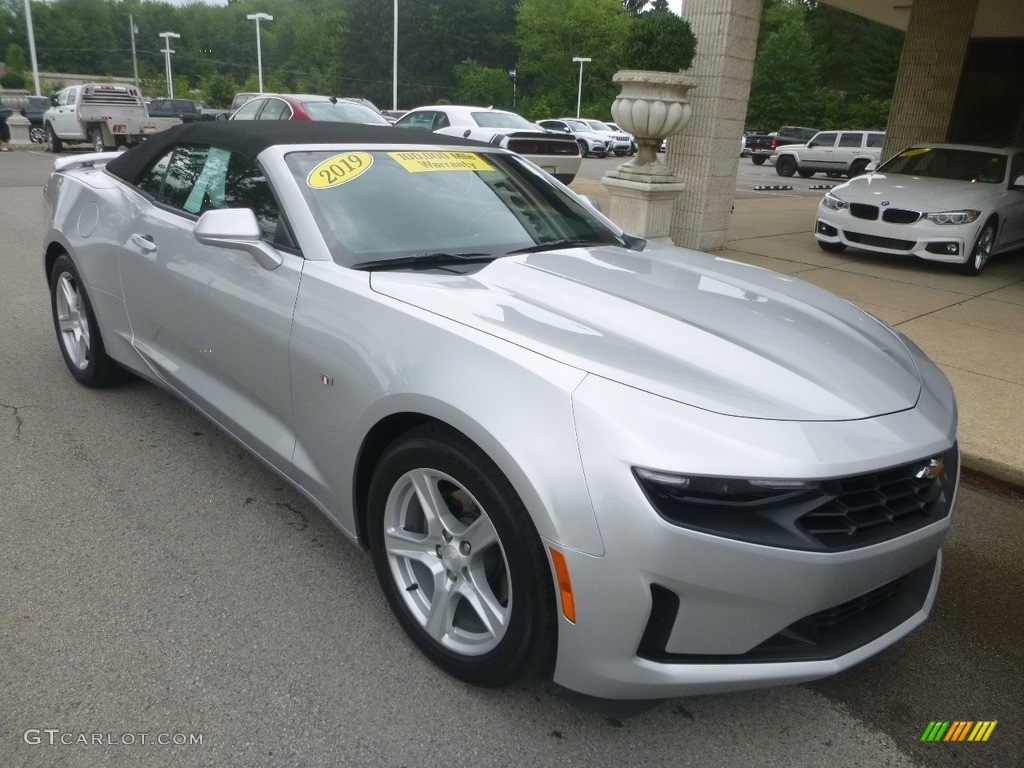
x: 946, y: 243
x: 670, y: 611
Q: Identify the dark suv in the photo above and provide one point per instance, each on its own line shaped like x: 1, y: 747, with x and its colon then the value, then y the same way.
x: 35, y: 106
x: 185, y: 109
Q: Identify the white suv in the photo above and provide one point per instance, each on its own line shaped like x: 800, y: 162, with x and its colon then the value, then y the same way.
x: 832, y: 152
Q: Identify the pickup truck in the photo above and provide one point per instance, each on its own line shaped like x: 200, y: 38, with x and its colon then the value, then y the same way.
x: 761, y: 145
x: 102, y: 114
x: 836, y: 153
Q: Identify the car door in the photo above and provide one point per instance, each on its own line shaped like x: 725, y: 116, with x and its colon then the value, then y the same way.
x: 849, y: 146
x: 210, y: 321
x: 1013, y: 211
x: 65, y: 119
x: 819, y: 152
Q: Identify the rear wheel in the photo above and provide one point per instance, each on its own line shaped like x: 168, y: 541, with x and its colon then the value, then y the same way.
x: 97, y: 140
x: 982, y: 251
x: 37, y: 135
x: 785, y: 166
x: 857, y: 168
x: 459, y: 559
x: 77, y: 332
x: 758, y: 159
x: 53, y: 142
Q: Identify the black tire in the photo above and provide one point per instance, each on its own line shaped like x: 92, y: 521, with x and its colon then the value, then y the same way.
x: 78, y: 335
x: 758, y: 159
x: 508, y: 574
x: 832, y: 247
x: 805, y: 173
x: 982, y: 250
x: 785, y: 166
x: 583, y: 147
x: 53, y: 142
x: 857, y: 168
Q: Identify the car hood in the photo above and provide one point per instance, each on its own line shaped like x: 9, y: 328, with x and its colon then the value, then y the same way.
x: 916, y: 193
x: 708, y: 332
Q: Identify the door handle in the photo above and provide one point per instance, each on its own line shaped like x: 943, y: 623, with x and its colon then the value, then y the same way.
x: 145, y: 242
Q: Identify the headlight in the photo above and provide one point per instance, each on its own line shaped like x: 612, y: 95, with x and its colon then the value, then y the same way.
x: 834, y: 203
x: 953, y: 217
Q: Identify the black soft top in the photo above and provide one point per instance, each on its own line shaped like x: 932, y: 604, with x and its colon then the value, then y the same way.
x: 250, y: 137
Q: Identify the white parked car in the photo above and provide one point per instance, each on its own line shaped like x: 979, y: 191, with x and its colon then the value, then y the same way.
x: 590, y: 142
x: 953, y: 203
x: 559, y: 156
x: 834, y: 152
x: 622, y: 142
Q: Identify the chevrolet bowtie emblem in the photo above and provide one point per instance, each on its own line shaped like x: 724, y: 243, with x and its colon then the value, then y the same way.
x: 931, y: 470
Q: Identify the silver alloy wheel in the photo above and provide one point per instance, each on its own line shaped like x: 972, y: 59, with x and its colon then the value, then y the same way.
x: 983, y: 248
x: 72, y: 322
x: 447, y: 562
x: 97, y: 140
x: 36, y: 134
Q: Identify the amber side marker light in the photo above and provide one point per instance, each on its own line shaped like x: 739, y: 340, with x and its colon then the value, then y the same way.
x: 564, y: 584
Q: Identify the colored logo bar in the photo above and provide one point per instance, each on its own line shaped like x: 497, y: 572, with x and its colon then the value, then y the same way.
x: 958, y: 730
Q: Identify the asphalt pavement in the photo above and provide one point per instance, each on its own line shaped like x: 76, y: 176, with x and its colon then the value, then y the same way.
x: 166, y: 600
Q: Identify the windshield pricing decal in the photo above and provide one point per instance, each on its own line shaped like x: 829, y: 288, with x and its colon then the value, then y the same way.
x: 419, y: 162
x: 916, y: 151
x: 339, y: 169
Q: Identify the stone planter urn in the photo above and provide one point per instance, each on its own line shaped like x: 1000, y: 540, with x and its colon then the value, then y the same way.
x: 651, y: 106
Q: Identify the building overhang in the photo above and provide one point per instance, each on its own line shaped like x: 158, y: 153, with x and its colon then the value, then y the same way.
x: 995, y: 18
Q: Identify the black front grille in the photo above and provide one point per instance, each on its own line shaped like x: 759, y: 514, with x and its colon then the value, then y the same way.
x: 900, y: 216
x: 867, y: 509
x: 826, y: 634
x: 880, y: 242
x: 827, y: 515
x: 862, y: 211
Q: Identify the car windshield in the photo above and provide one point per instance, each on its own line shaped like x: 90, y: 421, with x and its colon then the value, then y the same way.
x: 972, y: 165
x: 378, y: 205
x: 343, y: 112
x: 597, y: 125
x: 490, y: 119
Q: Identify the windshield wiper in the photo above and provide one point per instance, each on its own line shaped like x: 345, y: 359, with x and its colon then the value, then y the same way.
x: 551, y: 245
x: 627, y: 241
x: 426, y: 261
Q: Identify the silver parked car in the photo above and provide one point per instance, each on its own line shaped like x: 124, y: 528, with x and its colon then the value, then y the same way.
x: 644, y: 470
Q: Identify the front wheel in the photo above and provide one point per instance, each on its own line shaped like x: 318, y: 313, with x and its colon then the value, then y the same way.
x: 459, y: 559
x: 583, y: 148
x: 785, y: 166
x: 758, y: 159
x: 982, y: 251
x: 53, y: 142
x: 77, y: 331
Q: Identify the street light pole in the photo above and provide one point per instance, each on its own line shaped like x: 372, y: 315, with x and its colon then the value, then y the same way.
x: 258, y: 17
x: 32, y: 45
x: 135, y: 59
x: 579, y: 93
x: 394, y: 65
x: 167, y: 60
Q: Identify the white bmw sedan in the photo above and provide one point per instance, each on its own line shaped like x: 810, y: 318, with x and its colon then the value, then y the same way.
x: 643, y: 470
x: 953, y: 203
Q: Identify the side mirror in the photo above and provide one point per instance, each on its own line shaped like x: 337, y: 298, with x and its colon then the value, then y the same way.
x: 236, y: 228
x: 872, y: 166
x: 1018, y: 183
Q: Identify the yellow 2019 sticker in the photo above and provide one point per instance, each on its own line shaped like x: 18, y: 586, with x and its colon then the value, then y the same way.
x: 915, y: 151
x: 339, y: 169
x: 420, y: 162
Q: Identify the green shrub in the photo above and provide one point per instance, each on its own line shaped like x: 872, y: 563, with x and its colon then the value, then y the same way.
x: 659, y: 41
x: 13, y: 80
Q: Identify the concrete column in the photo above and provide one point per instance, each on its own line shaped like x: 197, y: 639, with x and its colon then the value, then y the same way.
x: 706, y: 154
x: 930, y: 68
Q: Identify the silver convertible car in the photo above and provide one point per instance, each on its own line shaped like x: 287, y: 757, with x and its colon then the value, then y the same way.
x: 642, y: 470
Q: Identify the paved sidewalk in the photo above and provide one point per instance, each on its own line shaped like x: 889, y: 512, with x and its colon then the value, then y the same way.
x: 973, y: 327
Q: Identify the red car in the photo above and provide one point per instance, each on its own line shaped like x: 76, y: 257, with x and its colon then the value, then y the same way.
x: 291, y: 106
